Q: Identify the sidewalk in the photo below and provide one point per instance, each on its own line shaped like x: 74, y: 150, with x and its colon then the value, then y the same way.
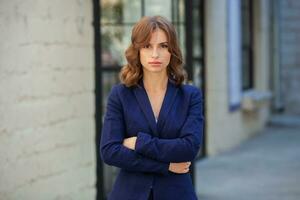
x: 266, y: 167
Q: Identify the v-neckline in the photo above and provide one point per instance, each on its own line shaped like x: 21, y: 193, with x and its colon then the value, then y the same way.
x: 162, y: 104
x: 145, y: 105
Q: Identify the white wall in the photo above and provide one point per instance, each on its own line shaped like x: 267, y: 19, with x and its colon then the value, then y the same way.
x: 47, y: 126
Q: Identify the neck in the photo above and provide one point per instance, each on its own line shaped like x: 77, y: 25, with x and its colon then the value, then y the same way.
x: 155, y: 82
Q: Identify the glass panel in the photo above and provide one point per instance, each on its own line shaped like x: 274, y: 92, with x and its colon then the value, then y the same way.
x: 158, y: 7
x: 246, y: 44
x: 110, y: 175
x: 245, y: 22
x: 175, y: 11
x: 111, y: 11
x: 197, y: 69
x: 120, y: 11
x: 181, y: 37
x: 108, y: 80
x: 132, y: 11
x: 245, y: 69
x: 114, y: 40
x: 197, y: 51
x: 178, y: 11
x: 181, y: 11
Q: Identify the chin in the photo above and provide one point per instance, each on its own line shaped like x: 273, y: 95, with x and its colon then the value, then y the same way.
x: 155, y: 69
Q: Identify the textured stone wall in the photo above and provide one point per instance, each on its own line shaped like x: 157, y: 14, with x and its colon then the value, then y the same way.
x: 47, y: 128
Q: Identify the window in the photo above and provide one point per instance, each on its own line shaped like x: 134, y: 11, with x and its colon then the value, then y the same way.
x: 247, y: 45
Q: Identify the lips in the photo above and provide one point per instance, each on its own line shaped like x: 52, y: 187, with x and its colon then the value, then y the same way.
x: 154, y: 63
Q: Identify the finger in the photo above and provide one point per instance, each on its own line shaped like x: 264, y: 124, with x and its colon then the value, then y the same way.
x: 186, y: 170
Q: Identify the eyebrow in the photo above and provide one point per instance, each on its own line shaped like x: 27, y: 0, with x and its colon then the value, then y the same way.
x: 161, y: 43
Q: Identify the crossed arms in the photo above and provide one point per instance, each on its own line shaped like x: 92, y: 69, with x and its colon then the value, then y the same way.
x: 145, y: 153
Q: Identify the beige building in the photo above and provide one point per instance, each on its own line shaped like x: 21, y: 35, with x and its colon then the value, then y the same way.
x: 57, y: 69
x: 227, y: 128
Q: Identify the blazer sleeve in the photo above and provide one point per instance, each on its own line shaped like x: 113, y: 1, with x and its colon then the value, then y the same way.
x: 181, y: 149
x: 112, y: 150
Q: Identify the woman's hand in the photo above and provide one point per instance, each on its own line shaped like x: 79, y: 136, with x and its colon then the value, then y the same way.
x: 180, y: 168
x: 130, y: 143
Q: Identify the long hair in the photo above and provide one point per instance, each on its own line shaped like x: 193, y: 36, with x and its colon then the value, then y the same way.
x: 132, y: 72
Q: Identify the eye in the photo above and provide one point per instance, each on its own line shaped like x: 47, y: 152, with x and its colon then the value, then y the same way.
x: 165, y: 46
x: 147, y: 46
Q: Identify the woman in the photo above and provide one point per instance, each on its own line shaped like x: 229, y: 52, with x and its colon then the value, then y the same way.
x: 153, y: 124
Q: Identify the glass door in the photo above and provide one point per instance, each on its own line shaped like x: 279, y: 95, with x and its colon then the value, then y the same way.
x: 117, y: 18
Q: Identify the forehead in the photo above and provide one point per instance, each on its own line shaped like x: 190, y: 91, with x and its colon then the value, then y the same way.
x: 158, y: 36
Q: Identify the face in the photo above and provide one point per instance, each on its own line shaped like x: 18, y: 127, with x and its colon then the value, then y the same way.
x: 155, y: 56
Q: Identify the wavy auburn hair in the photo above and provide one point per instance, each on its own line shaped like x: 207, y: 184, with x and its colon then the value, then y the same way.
x: 132, y: 72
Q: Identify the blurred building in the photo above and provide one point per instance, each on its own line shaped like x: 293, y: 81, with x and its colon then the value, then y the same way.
x: 59, y: 60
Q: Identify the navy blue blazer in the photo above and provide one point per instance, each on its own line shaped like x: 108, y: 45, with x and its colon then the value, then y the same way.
x: 175, y: 137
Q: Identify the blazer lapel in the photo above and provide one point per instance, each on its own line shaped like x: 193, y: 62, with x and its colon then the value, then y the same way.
x: 144, y: 103
x: 167, y: 104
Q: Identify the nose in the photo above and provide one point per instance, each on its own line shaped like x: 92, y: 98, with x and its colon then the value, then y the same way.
x: 154, y: 53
